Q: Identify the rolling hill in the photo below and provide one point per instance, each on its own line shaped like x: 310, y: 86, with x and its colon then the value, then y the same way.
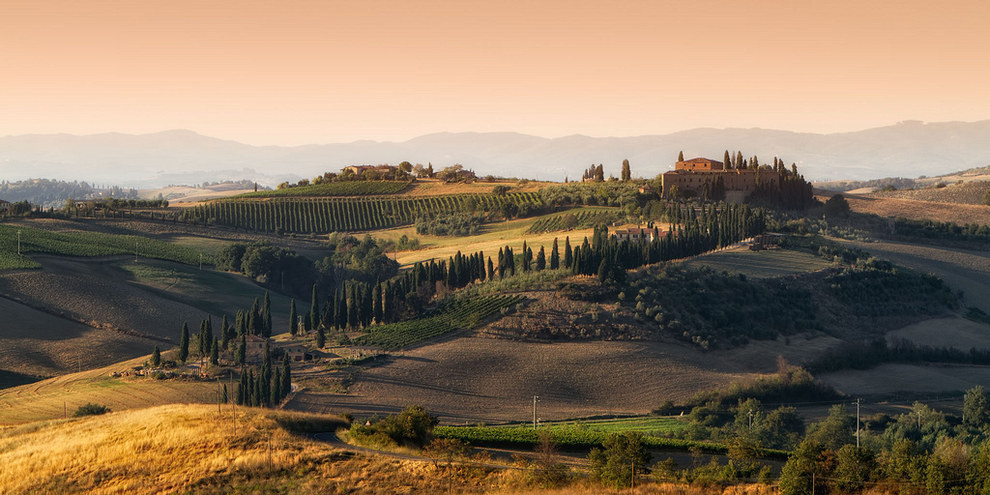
x: 184, y: 157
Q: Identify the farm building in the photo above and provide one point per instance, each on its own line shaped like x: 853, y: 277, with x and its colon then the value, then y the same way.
x: 255, y: 347
x: 4, y: 206
x: 637, y: 234
x: 298, y: 353
x: 694, y: 175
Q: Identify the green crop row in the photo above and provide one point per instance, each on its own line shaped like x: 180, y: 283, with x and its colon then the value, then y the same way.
x: 347, y: 188
x: 571, y: 437
x: 84, y: 244
x: 325, y: 215
x: 459, y: 315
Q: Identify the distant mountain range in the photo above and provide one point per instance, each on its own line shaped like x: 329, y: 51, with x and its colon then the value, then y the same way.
x: 906, y: 149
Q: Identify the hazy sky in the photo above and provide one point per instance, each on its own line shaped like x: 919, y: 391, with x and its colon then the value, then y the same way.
x: 294, y: 72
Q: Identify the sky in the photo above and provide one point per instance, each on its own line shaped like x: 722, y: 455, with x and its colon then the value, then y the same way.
x: 295, y: 71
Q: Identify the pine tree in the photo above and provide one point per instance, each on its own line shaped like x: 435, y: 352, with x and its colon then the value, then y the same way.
x: 626, y: 173
x: 293, y: 324
x: 156, y: 358
x: 184, y: 343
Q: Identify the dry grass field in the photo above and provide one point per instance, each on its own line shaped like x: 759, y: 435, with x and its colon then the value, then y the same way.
x: 435, y: 187
x: 39, y: 344
x: 193, y: 449
x: 969, y: 193
x: 493, y: 236
x: 52, y: 398
x: 918, y: 210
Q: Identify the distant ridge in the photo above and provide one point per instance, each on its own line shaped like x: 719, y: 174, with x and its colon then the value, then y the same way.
x: 908, y: 148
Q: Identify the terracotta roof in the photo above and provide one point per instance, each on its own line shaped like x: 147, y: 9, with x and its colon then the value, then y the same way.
x: 702, y: 160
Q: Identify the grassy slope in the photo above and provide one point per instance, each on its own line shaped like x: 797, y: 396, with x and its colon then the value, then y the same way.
x: 166, y: 449
x: 49, y: 399
x: 760, y: 264
x: 493, y: 236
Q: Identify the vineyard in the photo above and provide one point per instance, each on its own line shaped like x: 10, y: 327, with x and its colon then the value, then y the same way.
x: 325, y: 215
x: 582, y: 219
x: 348, y: 188
x: 83, y: 244
x: 462, y: 314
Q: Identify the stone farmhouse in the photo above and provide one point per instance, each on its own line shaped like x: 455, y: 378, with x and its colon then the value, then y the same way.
x: 690, y: 176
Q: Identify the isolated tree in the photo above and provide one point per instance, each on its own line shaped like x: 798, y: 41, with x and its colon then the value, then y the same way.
x: 976, y: 407
x: 156, y: 358
x: 293, y: 317
x: 624, y: 455
x: 837, y: 206
x: 184, y: 343
x: 626, y: 174
x: 680, y: 156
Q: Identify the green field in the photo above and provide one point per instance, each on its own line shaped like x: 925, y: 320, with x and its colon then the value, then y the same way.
x: 348, y: 188
x: 587, y: 434
x: 760, y: 264
x: 459, y: 315
x: 84, y: 244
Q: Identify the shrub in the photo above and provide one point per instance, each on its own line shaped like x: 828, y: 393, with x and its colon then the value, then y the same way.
x: 90, y: 409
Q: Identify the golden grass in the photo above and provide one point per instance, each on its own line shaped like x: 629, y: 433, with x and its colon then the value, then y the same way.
x: 54, y: 397
x: 193, y: 449
x: 493, y: 236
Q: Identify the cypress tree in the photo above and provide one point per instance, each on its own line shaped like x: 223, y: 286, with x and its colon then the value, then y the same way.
x: 554, y: 255
x: 293, y: 324
x: 156, y: 358
x: 215, y: 353
x: 377, y: 310
x: 568, y: 256
x: 321, y: 338
x: 286, y: 376
x: 267, y: 316
x: 491, y: 268
x: 314, y: 310
x: 241, y: 357
x: 726, y: 161
x: 224, y: 333
x: 680, y: 156
x: 353, y: 310
x: 184, y: 343
x: 526, y: 258
x: 541, y: 259
x: 253, y: 318
x: 626, y: 173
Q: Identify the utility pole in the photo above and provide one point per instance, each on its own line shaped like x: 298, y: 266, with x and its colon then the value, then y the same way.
x: 857, y: 423
x: 535, y: 399
x: 135, y: 250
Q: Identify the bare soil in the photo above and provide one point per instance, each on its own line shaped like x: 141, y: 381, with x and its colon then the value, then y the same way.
x: 888, y: 379
x: 952, y: 332
x: 918, y: 210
